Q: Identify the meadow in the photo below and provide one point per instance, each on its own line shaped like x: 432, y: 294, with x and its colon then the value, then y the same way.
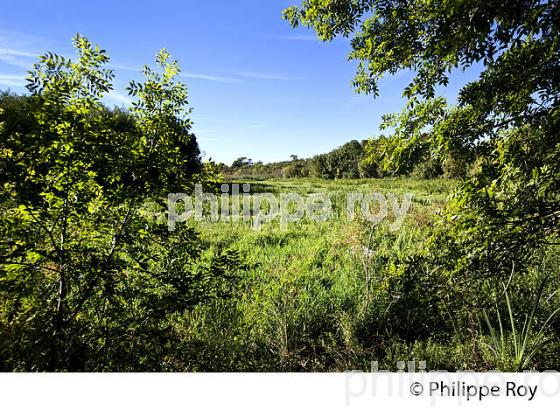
x: 332, y: 295
x: 92, y: 278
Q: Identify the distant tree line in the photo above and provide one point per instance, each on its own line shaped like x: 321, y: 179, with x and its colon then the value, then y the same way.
x: 374, y: 158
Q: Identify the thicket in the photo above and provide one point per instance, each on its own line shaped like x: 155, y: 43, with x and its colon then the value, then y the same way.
x: 89, y: 278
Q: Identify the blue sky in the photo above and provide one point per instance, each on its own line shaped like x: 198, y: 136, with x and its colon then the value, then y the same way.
x: 258, y: 88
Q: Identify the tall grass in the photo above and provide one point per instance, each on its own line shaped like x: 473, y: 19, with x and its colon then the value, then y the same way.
x: 514, y: 349
x: 335, y: 295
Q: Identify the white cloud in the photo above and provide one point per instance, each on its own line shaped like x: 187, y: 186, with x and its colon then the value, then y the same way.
x: 205, y: 131
x: 18, y: 58
x: 12, y: 80
x: 250, y: 127
x: 266, y: 76
x: 196, y: 76
x: 118, y: 97
x: 216, y: 78
x: 124, y: 67
x: 208, y: 139
x: 20, y: 50
x: 19, y: 53
x: 208, y: 77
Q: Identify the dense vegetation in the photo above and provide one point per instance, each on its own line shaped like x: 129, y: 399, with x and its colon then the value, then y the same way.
x: 366, y: 159
x: 91, y: 279
x: 88, y: 280
x: 505, y: 215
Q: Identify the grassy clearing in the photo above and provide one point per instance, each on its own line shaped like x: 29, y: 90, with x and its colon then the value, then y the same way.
x: 308, y: 299
x: 335, y: 295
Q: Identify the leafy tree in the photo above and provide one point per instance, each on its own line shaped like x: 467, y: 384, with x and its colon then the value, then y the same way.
x: 240, y: 162
x: 395, y: 155
x: 161, y: 115
x: 344, y: 160
x: 507, y: 120
x: 372, y: 163
x: 320, y: 167
x: 89, y: 278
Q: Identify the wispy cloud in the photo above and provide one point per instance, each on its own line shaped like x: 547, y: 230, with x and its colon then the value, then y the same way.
x: 266, y: 76
x: 115, y: 96
x: 18, y: 58
x: 231, y: 77
x: 124, y: 67
x: 20, y: 53
x: 196, y: 76
x: 19, y: 49
x: 8, y: 80
x: 250, y: 127
x: 208, y: 77
x: 206, y: 131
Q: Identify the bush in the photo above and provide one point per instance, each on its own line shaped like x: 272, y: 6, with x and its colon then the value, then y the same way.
x: 428, y: 169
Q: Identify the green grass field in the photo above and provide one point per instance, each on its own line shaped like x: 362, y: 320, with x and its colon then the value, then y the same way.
x: 332, y: 296
x: 311, y: 298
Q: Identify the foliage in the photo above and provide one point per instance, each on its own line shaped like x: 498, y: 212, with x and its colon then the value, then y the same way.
x: 514, y: 351
x: 375, y: 158
x: 506, y: 121
x: 339, y: 163
x: 89, y: 280
x: 506, y: 211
